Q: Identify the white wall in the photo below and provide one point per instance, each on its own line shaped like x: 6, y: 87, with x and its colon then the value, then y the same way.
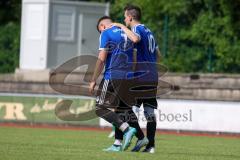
x: 34, y: 33
x: 54, y: 31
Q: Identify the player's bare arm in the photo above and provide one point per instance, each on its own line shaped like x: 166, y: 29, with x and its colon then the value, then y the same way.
x: 98, y: 70
x: 131, y: 35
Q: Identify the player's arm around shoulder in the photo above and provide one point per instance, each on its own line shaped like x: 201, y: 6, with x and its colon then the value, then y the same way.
x: 131, y: 35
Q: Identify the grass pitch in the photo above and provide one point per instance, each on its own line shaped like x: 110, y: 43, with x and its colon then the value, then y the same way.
x: 52, y: 144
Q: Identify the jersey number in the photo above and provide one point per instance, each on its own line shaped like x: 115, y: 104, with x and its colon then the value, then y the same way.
x: 125, y: 42
x: 151, y: 44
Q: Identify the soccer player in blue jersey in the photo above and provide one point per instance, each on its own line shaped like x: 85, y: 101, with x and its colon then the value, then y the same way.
x: 115, y: 53
x: 147, y: 51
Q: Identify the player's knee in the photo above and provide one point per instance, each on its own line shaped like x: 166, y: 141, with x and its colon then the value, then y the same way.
x: 99, y: 111
x: 149, y: 114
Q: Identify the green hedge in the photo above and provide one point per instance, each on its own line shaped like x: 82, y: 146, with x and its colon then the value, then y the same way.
x: 9, y: 47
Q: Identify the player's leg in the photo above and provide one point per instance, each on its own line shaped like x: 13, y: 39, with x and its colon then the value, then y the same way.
x: 132, y: 120
x: 149, y: 106
x: 127, y: 115
x: 102, y: 111
x: 118, y: 132
x: 142, y: 141
x: 104, y: 92
x: 112, y: 133
x: 111, y: 117
x: 117, y: 145
x: 124, y: 127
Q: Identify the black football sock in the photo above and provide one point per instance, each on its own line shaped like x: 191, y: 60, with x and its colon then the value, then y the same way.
x: 151, y: 125
x: 151, y: 130
x: 118, y: 134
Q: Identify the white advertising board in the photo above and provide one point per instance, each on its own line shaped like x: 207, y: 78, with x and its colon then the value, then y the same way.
x: 209, y: 116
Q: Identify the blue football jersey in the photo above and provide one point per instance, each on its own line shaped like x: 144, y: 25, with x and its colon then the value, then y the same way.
x: 146, y: 52
x: 120, y: 53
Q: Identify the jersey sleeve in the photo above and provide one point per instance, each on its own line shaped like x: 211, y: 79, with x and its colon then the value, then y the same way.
x: 103, y: 40
x: 136, y: 30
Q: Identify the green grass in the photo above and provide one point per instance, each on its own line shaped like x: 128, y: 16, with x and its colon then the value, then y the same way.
x: 50, y: 144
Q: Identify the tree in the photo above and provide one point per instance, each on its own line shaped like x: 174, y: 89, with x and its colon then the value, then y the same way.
x: 10, y: 13
x: 203, y: 34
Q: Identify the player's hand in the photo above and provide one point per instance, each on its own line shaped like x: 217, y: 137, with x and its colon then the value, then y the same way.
x: 118, y: 25
x: 91, y: 87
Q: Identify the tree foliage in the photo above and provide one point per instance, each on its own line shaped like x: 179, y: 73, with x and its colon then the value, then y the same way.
x: 196, y: 35
x: 203, y: 35
x: 10, y: 13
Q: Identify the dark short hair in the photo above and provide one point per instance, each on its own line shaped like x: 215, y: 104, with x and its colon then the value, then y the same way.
x: 102, y: 18
x: 134, y: 11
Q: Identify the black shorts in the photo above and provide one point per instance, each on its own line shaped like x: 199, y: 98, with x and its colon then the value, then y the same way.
x: 148, y: 102
x: 115, y: 94
x: 108, y: 95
